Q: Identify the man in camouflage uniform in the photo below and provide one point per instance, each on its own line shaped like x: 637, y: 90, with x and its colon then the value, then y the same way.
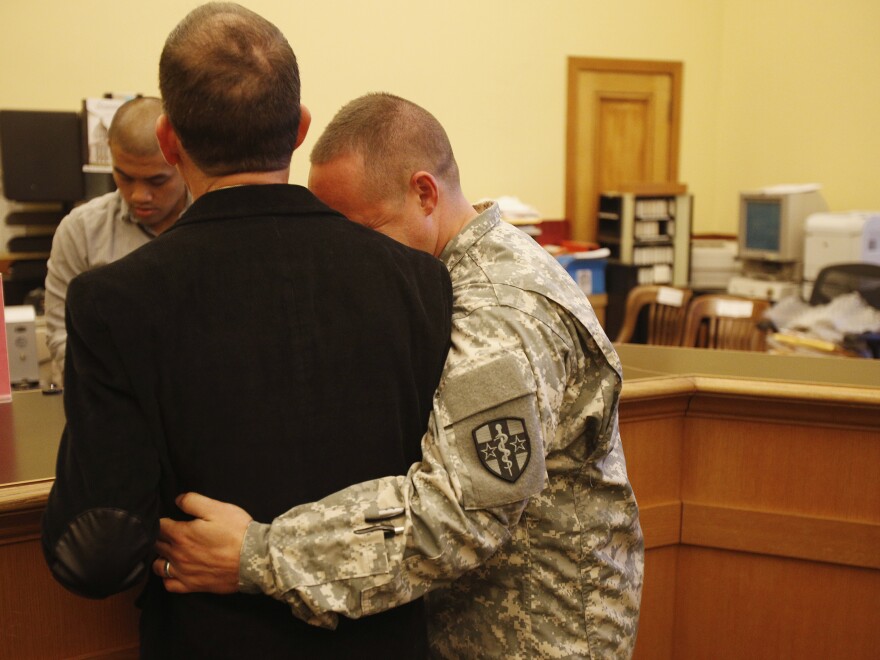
x: 519, y: 523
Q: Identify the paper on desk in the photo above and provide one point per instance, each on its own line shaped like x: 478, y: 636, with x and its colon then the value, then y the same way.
x: 846, y: 314
x: 517, y: 212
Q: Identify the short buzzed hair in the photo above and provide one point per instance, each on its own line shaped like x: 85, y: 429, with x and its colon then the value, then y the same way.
x: 230, y: 85
x: 133, y: 129
x: 395, y: 137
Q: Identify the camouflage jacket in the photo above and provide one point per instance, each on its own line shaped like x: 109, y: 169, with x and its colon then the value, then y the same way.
x: 520, y: 520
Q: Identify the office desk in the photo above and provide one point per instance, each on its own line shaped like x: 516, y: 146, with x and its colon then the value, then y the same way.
x: 759, y: 498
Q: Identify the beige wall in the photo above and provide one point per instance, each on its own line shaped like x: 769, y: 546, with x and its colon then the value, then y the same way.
x: 774, y: 91
x: 799, y: 100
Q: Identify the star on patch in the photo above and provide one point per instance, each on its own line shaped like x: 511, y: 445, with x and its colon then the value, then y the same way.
x: 503, y: 447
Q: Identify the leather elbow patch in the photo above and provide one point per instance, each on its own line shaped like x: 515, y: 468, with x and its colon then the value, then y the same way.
x: 495, y: 430
x: 101, y: 553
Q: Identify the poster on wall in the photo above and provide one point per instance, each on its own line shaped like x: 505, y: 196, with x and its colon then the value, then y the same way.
x: 98, y: 113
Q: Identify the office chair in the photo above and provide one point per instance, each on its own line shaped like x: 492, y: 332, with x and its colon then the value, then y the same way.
x: 666, y: 309
x: 837, y: 279
x: 725, y: 322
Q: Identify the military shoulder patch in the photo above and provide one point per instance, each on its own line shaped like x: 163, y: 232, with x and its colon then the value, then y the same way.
x: 504, y: 447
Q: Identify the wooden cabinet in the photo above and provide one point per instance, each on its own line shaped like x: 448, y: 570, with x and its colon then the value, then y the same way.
x: 756, y: 477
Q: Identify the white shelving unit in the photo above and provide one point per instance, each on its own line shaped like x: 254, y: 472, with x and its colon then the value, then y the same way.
x: 648, y: 228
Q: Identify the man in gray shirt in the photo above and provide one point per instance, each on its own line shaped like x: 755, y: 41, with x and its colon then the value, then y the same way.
x: 150, y: 196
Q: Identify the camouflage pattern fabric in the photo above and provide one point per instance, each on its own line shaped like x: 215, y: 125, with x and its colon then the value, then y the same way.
x: 520, y: 520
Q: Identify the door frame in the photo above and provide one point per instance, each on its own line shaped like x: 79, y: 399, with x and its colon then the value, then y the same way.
x: 578, y: 65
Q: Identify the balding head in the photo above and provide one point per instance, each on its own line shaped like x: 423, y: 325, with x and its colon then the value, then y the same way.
x: 230, y: 84
x: 133, y: 129
x: 394, y: 137
x: 386, y: 163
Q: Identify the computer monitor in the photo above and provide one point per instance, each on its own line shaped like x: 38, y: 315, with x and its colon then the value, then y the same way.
x: 771, y: 222
x: 41, y: 156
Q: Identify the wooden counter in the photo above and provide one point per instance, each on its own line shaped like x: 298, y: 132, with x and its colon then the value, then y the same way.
x: 38, y: 617
x: 760, y: 503
x: 758, y: 480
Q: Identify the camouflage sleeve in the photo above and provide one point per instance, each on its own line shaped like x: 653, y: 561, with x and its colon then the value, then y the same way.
x: 382, y: 543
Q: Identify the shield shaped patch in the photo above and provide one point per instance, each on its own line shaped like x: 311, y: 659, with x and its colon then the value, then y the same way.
x: 504, y: 447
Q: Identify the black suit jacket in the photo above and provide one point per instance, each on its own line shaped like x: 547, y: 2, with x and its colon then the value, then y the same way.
x: 264, y: 351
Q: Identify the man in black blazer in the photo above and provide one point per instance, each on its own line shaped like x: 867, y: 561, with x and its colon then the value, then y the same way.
x: 263, y: 351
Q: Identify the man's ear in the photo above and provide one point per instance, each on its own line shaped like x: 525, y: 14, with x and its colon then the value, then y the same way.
x: 168, y: 142
x: 305, y: 120
x: 425, y: 186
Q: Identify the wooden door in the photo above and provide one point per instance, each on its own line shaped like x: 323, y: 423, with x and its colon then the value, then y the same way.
x: 623, y: 128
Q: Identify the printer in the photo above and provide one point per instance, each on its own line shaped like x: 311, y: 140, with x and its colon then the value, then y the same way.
x: 21, y: 346
x: 837, y: 238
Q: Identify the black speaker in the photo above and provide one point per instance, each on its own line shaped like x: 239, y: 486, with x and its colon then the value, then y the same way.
x: 41, y: 155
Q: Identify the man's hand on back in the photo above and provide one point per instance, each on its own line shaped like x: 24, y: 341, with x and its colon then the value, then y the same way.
x: 202, y: 554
